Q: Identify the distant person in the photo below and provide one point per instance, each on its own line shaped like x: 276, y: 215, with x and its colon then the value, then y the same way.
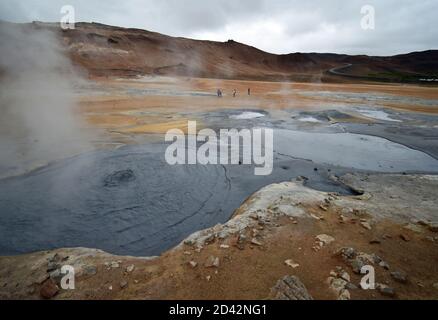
x: 234, y: 93
x: 249, y: 91
x: 219, y: 93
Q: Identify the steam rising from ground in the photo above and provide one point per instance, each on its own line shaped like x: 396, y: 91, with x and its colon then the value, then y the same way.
x: 37, y: 121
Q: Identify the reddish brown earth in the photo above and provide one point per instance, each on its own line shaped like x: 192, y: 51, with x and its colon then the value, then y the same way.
x: 103, y: 50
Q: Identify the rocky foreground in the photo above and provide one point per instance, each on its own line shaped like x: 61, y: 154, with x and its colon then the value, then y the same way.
x: 285, y: 242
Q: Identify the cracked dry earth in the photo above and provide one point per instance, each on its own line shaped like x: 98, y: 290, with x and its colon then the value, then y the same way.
x: 285, y: 242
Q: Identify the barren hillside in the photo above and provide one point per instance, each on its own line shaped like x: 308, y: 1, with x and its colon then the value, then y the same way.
x: 105, y: 50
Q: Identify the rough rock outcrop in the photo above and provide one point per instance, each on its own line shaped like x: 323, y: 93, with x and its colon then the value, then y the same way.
x: 290, y: 288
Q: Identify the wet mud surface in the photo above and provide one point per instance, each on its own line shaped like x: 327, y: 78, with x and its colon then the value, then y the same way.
x: 129, y: 201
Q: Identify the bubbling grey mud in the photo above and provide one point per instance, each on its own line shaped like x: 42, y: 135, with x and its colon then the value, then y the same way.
x: 256, y: 146
x: 130, y: 201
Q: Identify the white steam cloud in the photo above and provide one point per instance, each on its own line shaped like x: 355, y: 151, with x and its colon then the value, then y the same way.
x: 38, y: 123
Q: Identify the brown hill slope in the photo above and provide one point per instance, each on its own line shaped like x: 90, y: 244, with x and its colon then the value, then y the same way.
x: 105, y: 50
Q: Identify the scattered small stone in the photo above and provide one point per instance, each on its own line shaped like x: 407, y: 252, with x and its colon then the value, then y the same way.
x: 110, y: 288
x: 404, y: 237
x: 58, y: 258
x: 325, y: 239
x: 435, y: 285
x: 342, y: 218
x: 399, y: 276
x: 210, y: 238
x: 338, y: 285
x: 357, y: 265
x: 375, y: 241
x: 384, y: 265
x: 208, y: 278
x: 254, y: 216
x: 54, y: 258
x: 315, y: 217
x: 322, y: 207
x: 386, y: 291
x: 348, y: 253
x: 224, y: 246
x: 413, y: 227
x: 367, y: 258
x: 366, y: 225
x: 357, y: 212
x: 130, y: 268
x: 49, y: 289
x: 187, y: 253
x: 345, y: 276
x: 291, y: 263
x: 90, y: 270
x: 255, y: 242
x: 193, y: 264
x: 351, y: 286
x: 115, y: 264
x: 344, y: 295
x: 212, y: 262
x: 52, y: 265
x: 347, y: 210
x: 376, y: 258
x: 123, y: 284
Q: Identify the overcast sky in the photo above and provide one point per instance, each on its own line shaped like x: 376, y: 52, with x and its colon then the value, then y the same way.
x: 278, y: 26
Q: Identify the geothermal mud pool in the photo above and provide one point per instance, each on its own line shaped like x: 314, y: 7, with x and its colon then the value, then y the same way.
x: 129, y: 201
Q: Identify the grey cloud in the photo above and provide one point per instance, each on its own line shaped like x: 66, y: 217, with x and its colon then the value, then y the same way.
x: 318, y: 25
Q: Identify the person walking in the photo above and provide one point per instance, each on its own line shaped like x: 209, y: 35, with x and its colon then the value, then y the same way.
x: 249, y: 91
x: 234, y: 93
